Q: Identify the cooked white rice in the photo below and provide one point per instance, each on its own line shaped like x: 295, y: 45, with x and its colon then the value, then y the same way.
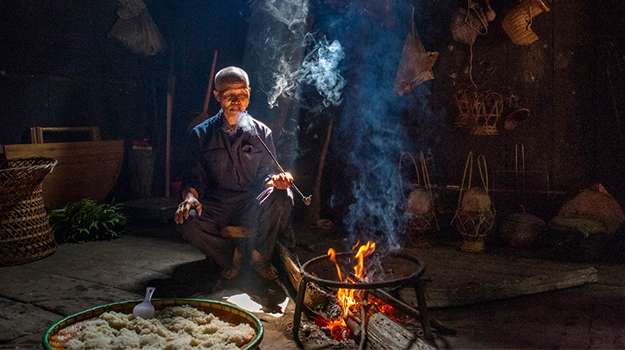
x: 174, y: 328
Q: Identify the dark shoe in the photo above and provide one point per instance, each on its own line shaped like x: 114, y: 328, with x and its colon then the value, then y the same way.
x: 265, y: 270
x: 232, y: 271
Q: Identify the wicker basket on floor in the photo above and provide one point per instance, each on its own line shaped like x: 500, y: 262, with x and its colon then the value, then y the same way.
x: 25, y: 233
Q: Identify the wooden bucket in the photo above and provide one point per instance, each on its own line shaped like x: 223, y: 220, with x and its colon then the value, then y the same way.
x: 518, y: 21
x: 25, y: 232
x: 84, y: 170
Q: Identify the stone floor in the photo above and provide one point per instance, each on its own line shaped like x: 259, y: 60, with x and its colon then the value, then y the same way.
x: 80, y: 276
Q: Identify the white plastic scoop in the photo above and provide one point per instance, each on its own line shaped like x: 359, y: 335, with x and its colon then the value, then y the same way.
x: 145, y: 309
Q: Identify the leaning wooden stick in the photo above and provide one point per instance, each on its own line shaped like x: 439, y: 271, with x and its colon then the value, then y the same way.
x: 204, y: 114
x: 207, y: 98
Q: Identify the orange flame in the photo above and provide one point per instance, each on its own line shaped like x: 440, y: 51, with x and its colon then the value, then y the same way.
x: 332, y: 255
x: 346, y: 297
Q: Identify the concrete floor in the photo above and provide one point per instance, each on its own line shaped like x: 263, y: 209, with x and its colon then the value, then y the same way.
x: 80, y: 276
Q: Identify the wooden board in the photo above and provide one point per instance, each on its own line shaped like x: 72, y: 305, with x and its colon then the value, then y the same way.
x: 386, y: 334
x: 84, y: 169
x: 454, y: 278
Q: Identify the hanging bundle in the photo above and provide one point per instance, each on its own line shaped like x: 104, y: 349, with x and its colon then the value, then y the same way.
x: 420, y: 215
x: 467, y: 23
x: 479, y: 111
x: 136, y: 30
x: 415, y: 65
x: 475, y: 215
x: 517, y: 23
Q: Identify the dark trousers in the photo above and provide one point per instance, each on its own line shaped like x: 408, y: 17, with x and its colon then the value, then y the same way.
x: 265, y: 217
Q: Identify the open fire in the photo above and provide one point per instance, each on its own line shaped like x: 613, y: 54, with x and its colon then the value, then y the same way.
x: 350, y: 299
x: 366, y: 310
x: 347, y: 297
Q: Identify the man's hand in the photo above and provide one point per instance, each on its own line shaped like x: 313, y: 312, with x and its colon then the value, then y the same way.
x: 281, y: 181
x: 190, y: 202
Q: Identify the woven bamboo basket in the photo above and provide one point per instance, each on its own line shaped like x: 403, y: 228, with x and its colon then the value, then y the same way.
x: 475, y: 216
x: 68, y: 328
x: 25, y: 232
x: 420, y: 216
x: 518, y: 21
x: 85, y: 170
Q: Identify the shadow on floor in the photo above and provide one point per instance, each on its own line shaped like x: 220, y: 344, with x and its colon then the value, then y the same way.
x: 203, y: 277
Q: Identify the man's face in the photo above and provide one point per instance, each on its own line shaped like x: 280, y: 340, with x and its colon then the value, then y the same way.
x: 233, y: 99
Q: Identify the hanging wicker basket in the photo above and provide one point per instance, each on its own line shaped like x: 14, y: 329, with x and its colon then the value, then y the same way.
x: 420, y: 216
x: 475, y: 215
x: 517, y: 23
x: 479, y: 111
x: 25, y: 232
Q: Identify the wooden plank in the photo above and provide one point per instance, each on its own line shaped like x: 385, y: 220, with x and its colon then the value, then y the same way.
x: 386, y: 334
x: 502, y: 288
x: 63, y: 149
x: 315, y: 299
x: 494, y: 261
x: 84, y: 169
x: 36, y: 133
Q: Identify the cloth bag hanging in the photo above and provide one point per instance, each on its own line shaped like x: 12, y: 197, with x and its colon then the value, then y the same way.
x: 135, y: 29
x: 415, y: 65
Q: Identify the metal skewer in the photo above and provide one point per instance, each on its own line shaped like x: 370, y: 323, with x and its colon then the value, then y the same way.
x: 305, y: 199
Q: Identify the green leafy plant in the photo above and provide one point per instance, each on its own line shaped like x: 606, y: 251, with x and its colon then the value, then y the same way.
x: 86, y: 220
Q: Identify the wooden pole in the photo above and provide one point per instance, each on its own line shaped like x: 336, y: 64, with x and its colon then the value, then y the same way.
x: 311, y: 215
x: 207, y: 98
x: 171, y: 83
x: 204, y: 115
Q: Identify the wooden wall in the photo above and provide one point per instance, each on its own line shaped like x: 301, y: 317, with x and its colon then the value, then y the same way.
x: 58, y: 68
x: 572, y: 135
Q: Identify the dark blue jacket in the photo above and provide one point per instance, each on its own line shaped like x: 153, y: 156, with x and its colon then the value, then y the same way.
x: 218, y: 169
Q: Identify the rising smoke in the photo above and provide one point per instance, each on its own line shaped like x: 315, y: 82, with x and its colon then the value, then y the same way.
x: 370, y: 130
x: 244, y: 121
x: 319, y: 68
x: 293, y: 13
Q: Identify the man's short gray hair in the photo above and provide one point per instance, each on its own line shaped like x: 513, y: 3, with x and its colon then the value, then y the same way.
x: 230, y: 75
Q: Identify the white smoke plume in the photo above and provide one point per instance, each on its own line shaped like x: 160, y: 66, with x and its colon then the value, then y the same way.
x: 244, y: 121
x: 319, y: 68
x: 292, y: 13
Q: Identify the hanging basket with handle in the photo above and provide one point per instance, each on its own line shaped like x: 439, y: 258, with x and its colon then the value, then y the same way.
x: 475, y: 215
x: 517, y: 23
x: 420, y: 216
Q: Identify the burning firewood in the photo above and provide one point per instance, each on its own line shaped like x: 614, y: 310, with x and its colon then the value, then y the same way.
x: 384, y: 333
x: 315, y: 299
x: 357, y: 298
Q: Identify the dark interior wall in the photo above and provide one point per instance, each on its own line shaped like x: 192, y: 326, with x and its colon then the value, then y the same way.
x: 571, y: 136
x: 59, y: 68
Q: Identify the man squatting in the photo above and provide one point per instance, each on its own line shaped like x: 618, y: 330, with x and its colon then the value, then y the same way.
x: 231, y: 180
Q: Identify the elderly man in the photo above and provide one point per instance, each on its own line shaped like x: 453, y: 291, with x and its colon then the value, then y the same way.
x: 232, y: 182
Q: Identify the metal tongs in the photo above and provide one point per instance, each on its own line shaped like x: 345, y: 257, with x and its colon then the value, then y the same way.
x: 305, y: 199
